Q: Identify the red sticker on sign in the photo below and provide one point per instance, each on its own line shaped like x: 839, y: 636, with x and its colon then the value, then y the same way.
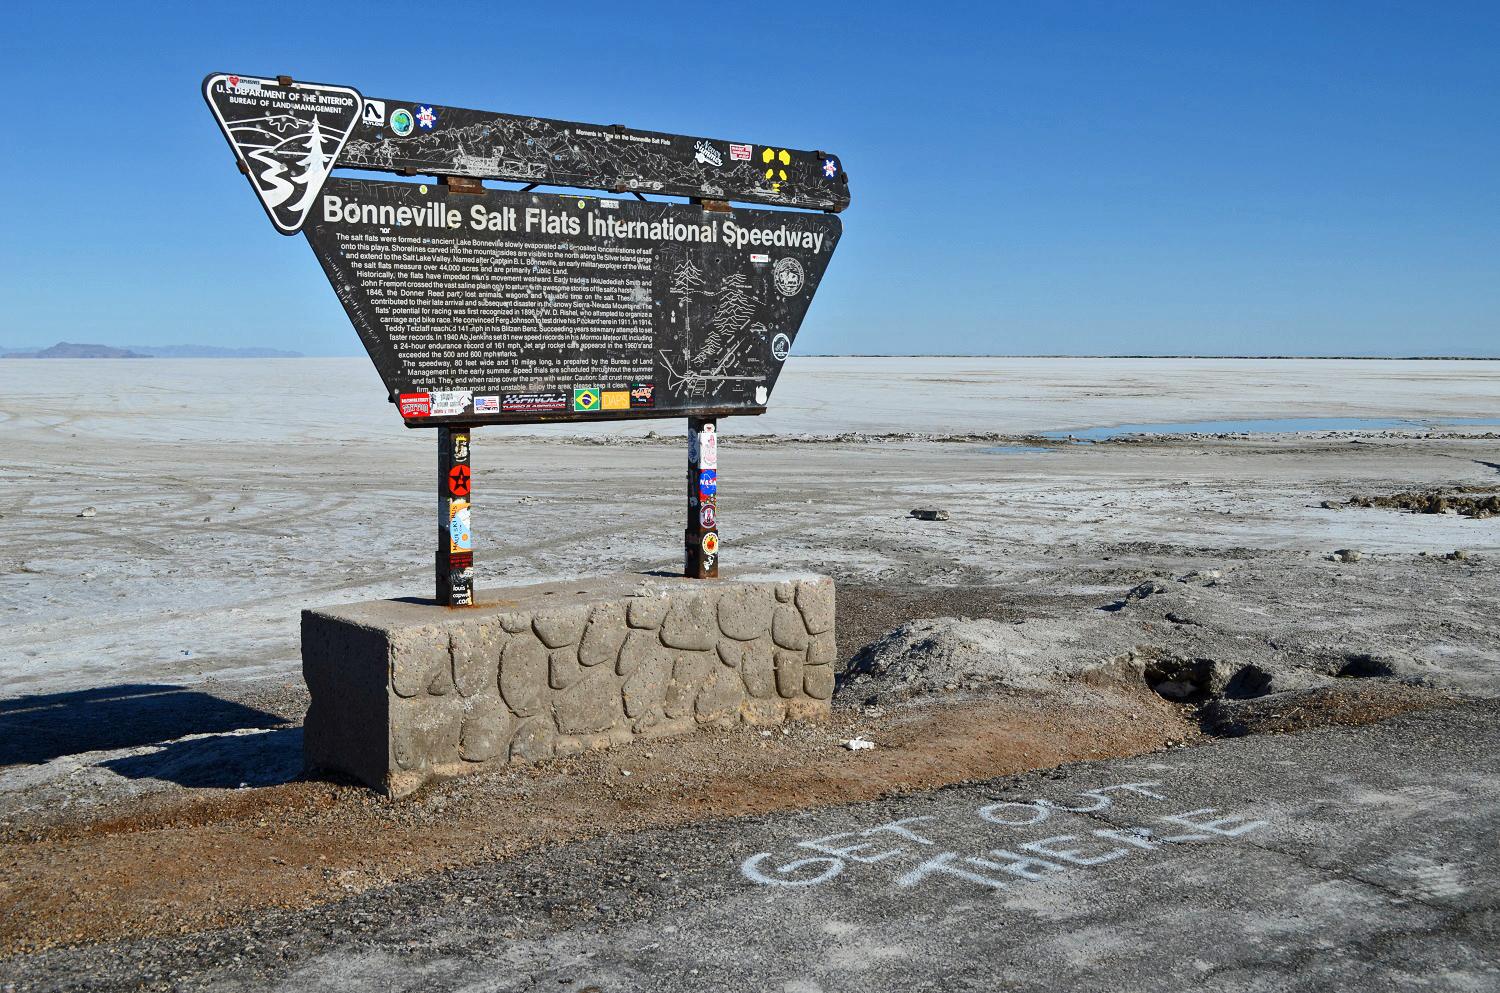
x: 458, y: 480
x: 416, y: 405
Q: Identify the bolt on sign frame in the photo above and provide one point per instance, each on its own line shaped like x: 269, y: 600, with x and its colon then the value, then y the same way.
x: 480, y: 305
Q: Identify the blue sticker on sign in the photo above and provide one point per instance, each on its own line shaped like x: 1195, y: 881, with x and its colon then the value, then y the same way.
x: 426, y: 118
x: 708, y: 482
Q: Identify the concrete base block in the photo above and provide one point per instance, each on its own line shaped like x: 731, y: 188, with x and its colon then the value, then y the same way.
x: 403, y: 690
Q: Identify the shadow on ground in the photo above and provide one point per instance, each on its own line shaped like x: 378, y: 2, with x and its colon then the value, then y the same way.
x: 220, y: 761
x: 39, y: 728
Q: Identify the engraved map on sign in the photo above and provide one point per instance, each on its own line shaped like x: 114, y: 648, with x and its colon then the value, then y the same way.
x: 438, y: 140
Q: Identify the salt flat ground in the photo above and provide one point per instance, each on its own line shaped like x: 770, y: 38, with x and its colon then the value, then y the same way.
x: 229, y: 495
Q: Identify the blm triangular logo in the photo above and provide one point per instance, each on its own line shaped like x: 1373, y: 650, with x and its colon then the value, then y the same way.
x: 286, y: 138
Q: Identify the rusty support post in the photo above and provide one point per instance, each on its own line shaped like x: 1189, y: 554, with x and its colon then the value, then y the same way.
x: 455, y: 550
x: 701, y: 539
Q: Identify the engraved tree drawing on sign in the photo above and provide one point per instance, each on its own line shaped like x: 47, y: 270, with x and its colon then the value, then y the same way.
x: 715, y: 360
x: 733, y: 308
x: 686, y: 279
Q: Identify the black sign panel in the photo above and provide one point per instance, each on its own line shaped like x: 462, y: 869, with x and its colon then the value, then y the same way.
x: 511, y: 307
x: 431, y: 139
x: 287, y: 138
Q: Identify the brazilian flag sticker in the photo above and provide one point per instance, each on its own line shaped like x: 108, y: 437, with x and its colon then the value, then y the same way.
x: 586, y: 400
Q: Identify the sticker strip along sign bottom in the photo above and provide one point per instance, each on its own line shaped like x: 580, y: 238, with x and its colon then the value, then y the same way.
x: 510, y: 307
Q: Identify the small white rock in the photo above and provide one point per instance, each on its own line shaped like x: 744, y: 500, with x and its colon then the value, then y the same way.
x: 858, y: 744
x: 87, y: 512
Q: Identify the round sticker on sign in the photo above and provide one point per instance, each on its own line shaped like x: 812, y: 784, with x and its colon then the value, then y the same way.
x: 458, y: 481
x: 788, y: 277
x: 707, y: 516
x: 781, y: 347
x: 711, y: 543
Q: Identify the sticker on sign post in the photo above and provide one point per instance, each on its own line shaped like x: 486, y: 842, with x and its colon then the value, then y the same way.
x: 708, y: 448
x: 459, y: 538
x: 286, y: 137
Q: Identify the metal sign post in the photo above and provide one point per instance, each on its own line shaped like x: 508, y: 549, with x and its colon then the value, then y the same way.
x: 701, y: 539
x: 480, y: 305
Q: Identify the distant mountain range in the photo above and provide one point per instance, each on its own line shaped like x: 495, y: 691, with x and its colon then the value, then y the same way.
x: 71, y: 350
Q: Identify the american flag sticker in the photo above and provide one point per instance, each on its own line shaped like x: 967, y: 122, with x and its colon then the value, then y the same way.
x: 740, y: 153
x: 487, y: 405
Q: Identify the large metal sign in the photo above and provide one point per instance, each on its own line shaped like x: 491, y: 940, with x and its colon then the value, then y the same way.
x: 483, y: 306
x: 512, y: 307
x: 504, y: 306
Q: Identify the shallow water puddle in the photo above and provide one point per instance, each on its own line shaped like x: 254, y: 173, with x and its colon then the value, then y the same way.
x: 1016, y: 449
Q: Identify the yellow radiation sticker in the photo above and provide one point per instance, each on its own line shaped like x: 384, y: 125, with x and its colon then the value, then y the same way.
x: 775, y: 160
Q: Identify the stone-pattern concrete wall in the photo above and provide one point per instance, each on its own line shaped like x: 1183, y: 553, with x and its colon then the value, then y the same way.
x: 486, y: 687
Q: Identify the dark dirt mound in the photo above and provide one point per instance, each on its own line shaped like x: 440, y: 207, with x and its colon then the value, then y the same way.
x: 1478, y: 502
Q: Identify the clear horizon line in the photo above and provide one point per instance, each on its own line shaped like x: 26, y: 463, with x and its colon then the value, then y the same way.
x: 26, y: 352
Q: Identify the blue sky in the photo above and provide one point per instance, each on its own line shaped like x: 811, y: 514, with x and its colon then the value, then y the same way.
x: 1080, y: 178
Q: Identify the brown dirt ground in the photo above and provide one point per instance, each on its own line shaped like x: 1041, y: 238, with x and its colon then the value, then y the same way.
x: 180, y: 865
x: 187, y: 864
